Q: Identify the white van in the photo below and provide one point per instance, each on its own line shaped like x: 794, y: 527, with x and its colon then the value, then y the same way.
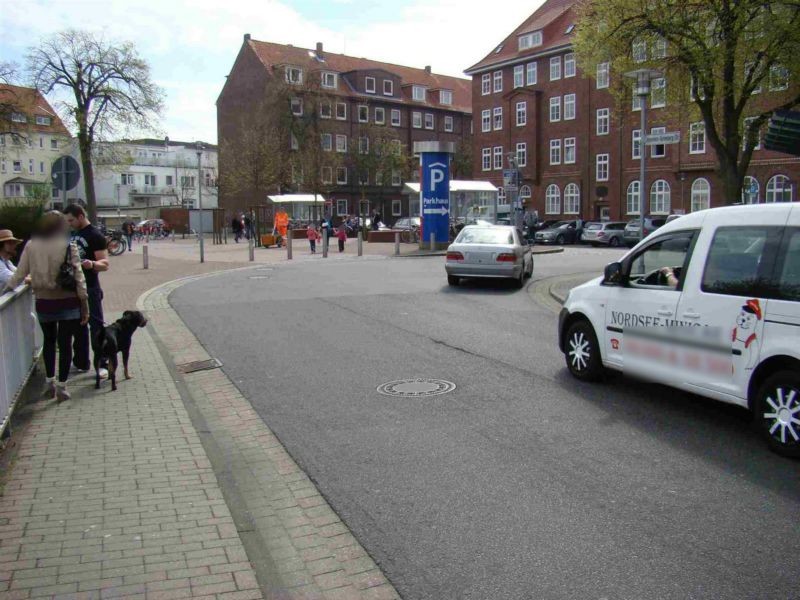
x: 710, y: 304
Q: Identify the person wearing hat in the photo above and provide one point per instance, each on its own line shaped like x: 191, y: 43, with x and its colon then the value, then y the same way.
x: 8, y: 248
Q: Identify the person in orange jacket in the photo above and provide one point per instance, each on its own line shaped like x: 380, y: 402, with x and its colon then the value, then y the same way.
x: 282, y: 223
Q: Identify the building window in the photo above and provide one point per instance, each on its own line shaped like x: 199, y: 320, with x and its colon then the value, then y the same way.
x: 498, y: 158
x: 486, y: 84
x: 327, y: 142
x: 660, y: 49
x: 388, y: 87
x: 530, y: 40
x: 660, y: 198
x: 30, y: 166
x: 501, y: 195
x: 569, y: 71
x: 341, y: 175
x: 633, y: 198
x: 658, y: 93
x: 498, y: 118
x: 779, y: 189
x: 395, y: 117
x: 602, y: 76
x: 2, y: 166
x: 552, y: 200
x: 750, y: 190
x: 169, y: 179
x: 429, y: 122
x: 369, y: 85
x: 363, y: 177
x: 602, y: 121
x: 636, y: 100
x: 522, y: 114
x: 418, y: 93
x: 396, y: 179
x: 416, y: 120
x: 341, y: 111
x: 41, y: 120
x: 486, y: 120
x: 294, y: 75
x: 601, y: 167
x: 697, y: 138
x: 524, y: 192
x: 519, y: 76
x: 486, y: 159
x: 293, y: 143
x: 555, y: 109
x: 569, y: 151
x: 378, y: 177
x: 701, y: 194
x: 658, y: 150
x: 397, y: 147
x: 569, y: 107
x: 555, y: 152
x: 397, y: 208
x: 325, y: 110
x: 363, y: 113
x: 555, y: 68
x: 53, y: 144
x: 639, y: 51
x: 341, y: 143
x: 778, y: 78
x: 530, y: 73
x: 341, y: 207
x: 636, y: 143
x: 329, y: 80
x: 522, y: 154
x: 446, y: 97
x: 297, y: 107
x: 498, y: 81
x: 363, y: 145
x: 572, y: 199
x: 380, y: 116
x: 18, y: 117
x: 746, y: 127
x: 126, y: 178
x: 448, y: 124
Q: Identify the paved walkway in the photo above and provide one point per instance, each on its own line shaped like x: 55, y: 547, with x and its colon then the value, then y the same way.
x: 171, y: 487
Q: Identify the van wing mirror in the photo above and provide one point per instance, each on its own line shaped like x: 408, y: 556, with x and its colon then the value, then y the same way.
x: 612, y: 274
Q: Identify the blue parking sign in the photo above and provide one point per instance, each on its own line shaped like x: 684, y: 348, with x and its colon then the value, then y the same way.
x: 435, y: 193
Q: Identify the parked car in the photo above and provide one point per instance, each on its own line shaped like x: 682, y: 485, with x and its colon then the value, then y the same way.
x: 671, y: 218
x: 542, y: 225
x: 407, y: 223
x: 561, y: 232
x: 709, y: 304
x: 631, y: 235
x: 493, y: 251
x: 604, y: 232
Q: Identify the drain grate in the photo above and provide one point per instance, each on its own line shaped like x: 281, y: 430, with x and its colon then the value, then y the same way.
x: 199, y: 365
x: 416, y: 388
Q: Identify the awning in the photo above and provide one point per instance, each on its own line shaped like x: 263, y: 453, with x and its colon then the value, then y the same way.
x: 456, y: 185
x: 783, y: 134
x: 296, y: 198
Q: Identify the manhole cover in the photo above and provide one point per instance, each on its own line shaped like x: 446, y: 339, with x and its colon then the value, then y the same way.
x: 415, y: 388
x: 199, y: 365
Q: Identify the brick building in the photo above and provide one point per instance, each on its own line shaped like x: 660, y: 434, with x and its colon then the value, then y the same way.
x: 412, y: 104
x: 577, y: 148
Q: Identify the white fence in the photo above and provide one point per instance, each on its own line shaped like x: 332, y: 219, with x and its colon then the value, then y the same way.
x: 20, y: 345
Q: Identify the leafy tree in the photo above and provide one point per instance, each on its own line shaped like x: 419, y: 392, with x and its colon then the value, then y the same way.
x: 109, y: 86
x: 724, y: 61
x: 461, y: 164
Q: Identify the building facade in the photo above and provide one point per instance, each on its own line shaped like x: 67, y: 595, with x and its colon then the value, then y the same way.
x: 578, y: 147
x: 393, y: 102
x: 32, y: 137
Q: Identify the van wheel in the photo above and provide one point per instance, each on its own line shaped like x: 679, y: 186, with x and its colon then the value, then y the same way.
x: 452, y: 280
x: 777, y: 412
x: 582, y: 352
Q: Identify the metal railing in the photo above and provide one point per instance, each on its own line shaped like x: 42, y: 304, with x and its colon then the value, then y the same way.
x: 20, y: 346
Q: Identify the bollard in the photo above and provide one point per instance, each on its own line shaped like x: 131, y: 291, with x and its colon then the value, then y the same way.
x: 397, y: 243
x: 289, y: 245
x: 433, y: 241
x: 145, y: 257
x: 324, y: 243
x: 360, y: 246
x: 251, y: 249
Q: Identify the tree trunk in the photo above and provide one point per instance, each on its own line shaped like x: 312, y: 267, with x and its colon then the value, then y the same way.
x: 85, y: 145
x: 732, y: 181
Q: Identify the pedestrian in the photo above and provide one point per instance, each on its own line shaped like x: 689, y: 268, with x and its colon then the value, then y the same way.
x: 313, y: 236
x: 127, y: 230
x: 248, y: 226
x: 376, y: 221
x: 236, y: 227
x: 62, y: 308
x: 282, y: 223
x: 8, y: 249
x: 341, y: 235
x: 94, y: 259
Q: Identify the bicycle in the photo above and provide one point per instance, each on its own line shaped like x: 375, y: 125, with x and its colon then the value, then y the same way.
x: 410, y: 236
x: 115, y: 243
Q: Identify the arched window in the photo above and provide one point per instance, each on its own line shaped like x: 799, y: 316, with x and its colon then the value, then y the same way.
x: 572, y: 199
x: 525, y: 191
x: 701, y: 194
x: 633, y: 198
x: 552, y: 200
x: 779, y: 189
x: 750, y: 190
x: 660, y: 198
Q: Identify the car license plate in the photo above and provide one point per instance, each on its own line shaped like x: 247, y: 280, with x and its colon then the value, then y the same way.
x: 479, y: 257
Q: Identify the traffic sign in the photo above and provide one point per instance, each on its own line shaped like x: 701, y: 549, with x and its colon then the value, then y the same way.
x: 65, y: 173
x: 435, y: 192
x: 658, y: 139
x: 510, y: 179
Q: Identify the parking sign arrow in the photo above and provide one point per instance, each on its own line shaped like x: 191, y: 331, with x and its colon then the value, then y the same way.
x: 436, y: 211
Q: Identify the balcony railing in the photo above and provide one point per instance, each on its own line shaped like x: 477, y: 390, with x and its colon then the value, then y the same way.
x: 151, y: 190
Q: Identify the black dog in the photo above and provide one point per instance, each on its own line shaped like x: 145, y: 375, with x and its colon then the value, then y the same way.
x: 117, y: 338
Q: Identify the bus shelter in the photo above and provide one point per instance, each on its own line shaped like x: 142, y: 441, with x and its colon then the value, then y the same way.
x: 469, y: 201
x: 302, y: 207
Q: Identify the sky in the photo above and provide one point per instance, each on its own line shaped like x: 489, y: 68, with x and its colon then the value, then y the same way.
x: 191, y: 44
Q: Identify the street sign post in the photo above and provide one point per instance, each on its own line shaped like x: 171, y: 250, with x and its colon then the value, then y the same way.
x: 659, y: 139
x: 65, y: 174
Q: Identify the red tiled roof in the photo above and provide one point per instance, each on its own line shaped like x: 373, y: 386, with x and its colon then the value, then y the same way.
x: 271, y: 54
x: 552, y: 18
x: 30, y: 102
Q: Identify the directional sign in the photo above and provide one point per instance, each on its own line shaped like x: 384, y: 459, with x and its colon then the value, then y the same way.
x: 435, y: 193
x: 659, y: 139
x: 65, y: 173
x: 510, y: 179
x: 435, y: 211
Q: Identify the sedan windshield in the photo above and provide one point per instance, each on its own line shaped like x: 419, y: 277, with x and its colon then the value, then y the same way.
x: 485, y: 236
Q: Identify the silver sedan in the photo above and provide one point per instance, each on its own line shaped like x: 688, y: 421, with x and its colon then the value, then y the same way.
x: 494, y: 251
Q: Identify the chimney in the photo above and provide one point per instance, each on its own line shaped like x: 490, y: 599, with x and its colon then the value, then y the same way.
x: 428, y: 69
x: 246, y: 37
x: 319, y: 49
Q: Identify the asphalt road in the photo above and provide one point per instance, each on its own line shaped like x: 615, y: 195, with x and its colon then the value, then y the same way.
x: 522, y: 483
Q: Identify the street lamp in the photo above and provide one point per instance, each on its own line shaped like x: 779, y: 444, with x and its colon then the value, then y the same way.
x: 199, y: 147
x: 514, y: 201
x: 643, y: 78
x: 118, y: 207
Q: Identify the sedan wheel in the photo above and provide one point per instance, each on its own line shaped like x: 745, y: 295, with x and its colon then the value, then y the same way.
x: 560, y: 239
x: 777, y: 412
x: 582, y: 352
x: 452, y: 280
x: 614, y: 242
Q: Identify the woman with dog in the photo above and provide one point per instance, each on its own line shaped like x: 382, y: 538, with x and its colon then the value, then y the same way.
x: 62, y: 302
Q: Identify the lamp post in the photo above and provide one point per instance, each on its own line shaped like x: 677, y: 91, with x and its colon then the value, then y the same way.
x: 119, y: 212
x: 643, y: 78
x: 514, y: 201
x: 200, y: 200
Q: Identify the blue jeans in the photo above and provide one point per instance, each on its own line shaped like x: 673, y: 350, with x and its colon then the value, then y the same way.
x: 96, y: 323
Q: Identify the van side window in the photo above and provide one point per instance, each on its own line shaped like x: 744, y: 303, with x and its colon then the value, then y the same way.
x: 740, y: 260
x: 788, y: 268
x: 660, y: 265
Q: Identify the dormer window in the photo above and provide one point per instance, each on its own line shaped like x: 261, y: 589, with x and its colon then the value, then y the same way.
x: 370, y: 85
x: 294, y: 75
x: 418, y: 93
x: 388, y: 87
x: 329, y: 80
x: 446, y: 97
x: 40, y: 120
x: 530, y: 40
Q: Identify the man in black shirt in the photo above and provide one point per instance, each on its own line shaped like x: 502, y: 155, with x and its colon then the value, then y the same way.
x: 94, y: 259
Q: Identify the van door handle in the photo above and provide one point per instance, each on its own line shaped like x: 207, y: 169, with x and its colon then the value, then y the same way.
x: 665, y: 313
x: 691, y: 315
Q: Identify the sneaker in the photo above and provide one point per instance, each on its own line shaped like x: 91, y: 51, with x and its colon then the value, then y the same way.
x: 62, y: 394
x: 103, y: 373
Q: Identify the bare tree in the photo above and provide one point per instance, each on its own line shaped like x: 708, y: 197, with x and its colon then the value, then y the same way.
x: 109, y: 85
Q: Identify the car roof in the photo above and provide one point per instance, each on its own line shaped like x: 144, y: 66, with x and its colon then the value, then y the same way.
x: 488, y: 226
x: 749, y: 213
